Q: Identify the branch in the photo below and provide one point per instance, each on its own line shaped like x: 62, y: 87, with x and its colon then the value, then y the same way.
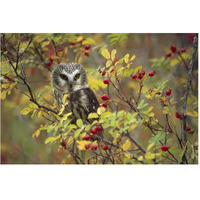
x: 188, y: 87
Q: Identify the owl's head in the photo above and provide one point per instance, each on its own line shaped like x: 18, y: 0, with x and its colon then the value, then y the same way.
x: 69, y: 77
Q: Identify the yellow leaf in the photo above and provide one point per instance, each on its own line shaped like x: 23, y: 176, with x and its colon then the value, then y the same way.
x: 92, y: 115
x: 25, y: 111
x: 132, y: 127
x: 114, y: 51
x: 106, y: 114
x: 127, y: 155
x: 65, y: 117
x: 65, y: 97
x: 81, y: 144
x: 36, y: 133
x: 149, y: 156
x: 79, y: 38
x: 3, y: 94
x: 133, y: 57
x: 126, y: 58
x: 151, y: 114
x: 61, y: 110
x: 32, y: 105
x: 105, y: 53
x: 140, y: 158
x: 100, y: 110
x: 88, y: 41
x: 174, y: 62
x: 40, y: 113
x: 108, y: 63
x: 126, y: 145
x: 51, y: 139
x: 150, y: 146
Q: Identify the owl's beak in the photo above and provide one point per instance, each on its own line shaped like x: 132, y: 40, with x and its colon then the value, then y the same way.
x: 70, y: 87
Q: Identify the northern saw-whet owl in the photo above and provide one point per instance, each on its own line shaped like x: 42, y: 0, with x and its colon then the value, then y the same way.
x: 71, y: 78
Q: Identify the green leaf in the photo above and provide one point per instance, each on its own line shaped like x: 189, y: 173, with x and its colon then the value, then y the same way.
x: 142, y: 104
x: 106, y: 114
x: 79, y: 123
x: 150, y: 156
x: 77, y: 133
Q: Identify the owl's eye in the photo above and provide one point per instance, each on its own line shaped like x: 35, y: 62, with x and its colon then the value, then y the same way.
x: 77, y: 76
x: 63, y: 77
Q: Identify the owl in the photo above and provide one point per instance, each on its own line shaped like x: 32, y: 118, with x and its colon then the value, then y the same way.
x: 71, y: 78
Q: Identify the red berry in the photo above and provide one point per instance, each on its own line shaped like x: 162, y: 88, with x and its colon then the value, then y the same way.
x: 173, y: 49
x: 168, y: 55
x: 158, y: 93
x: 134, y: 76
x: 93, y: 131
x: 104, y: 105
x: 87, y: 137
x: 183, y: 50
x: 100, y: 71
x: 87, y: 146
x: 151, y: 74
x: 7, y: 78
x: 98, y: 128
x: 105, y: 147
x: 178, y: 115
x: 165, y: 147
x: 188, y: 128
x: 142, y: 72
x: 86, y: 53
x: 105, y: 97
x: 140, y: 76
x: 112, y: 70
x: 63, y: 143
x: 104, y: 72
x: 73, y: 43
x: 59, y: 50
x: 94, y: 147
x: 106, y: 81
x: 87, y: 47
x: 168, y: 92
x: 48, y: 64
x: 51, y: 59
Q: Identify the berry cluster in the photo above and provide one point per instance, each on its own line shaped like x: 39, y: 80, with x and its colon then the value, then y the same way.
x: 86, y: 47
x: 141, y: 74
x: 174, y: 50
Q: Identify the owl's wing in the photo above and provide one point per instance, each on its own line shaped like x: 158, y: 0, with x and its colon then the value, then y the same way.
x: 92, y: 104
x: 82, y: 103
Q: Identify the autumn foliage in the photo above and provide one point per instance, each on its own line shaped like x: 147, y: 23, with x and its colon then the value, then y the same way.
x: 141, y: 106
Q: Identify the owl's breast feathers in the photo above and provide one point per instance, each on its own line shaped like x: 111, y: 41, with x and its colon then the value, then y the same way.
x: 81, y: 103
